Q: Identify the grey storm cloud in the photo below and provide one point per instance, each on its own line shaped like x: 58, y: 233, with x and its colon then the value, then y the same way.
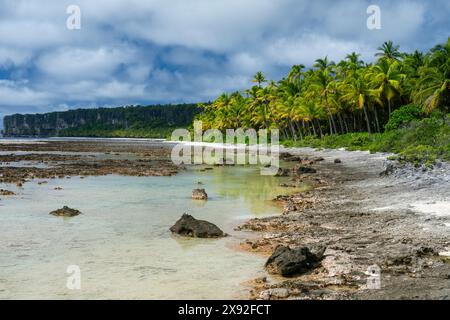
x: 135, y: 51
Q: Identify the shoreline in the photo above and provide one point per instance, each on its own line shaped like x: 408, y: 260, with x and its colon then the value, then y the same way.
x: 363, y: 219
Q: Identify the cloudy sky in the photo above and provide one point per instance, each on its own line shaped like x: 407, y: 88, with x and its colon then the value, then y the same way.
x: 158, y: 51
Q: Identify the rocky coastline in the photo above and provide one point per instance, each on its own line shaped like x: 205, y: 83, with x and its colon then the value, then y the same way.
x: 367, y: 219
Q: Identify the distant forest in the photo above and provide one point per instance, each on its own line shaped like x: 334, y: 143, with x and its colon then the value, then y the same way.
x: 131, y: 121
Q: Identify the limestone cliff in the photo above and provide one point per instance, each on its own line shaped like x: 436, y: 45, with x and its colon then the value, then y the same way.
x: 68, y: 123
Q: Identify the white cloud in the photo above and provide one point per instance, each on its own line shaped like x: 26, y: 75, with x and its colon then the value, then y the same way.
x: 75, y: 63
x: 14, y: 93
x: 164, y: 51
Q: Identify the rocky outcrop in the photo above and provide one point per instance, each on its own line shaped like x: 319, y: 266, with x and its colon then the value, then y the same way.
x: 68, y: 122
x: 6, y: 192
x: 188, y: 226
x: 65, y: 212
x: 282, y: 172
x: 299, y: 169
x: 199, y: 194
x: 289, y: 262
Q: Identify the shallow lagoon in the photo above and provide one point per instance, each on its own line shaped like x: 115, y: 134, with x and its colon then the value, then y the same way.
x: 121, y: 242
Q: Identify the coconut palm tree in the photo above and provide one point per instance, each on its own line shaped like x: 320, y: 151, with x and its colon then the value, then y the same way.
x: 259, y: 78
x: 386, y: 77
x: 322, y: 87
x: 358, y: 93
x: 433, y: 86
x: 323, y: 63
x: 389, y: 51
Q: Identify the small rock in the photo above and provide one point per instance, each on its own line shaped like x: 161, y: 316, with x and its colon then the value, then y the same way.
x: 199, y: 194
x: 282, y: 172
x: 285, y: 155
x: 289, y: 262
x: 293, y: 159
x: 65, y: 212
x: 337, y: 161
x: 303, y: 169
x: 277, y: 293
x: 389, y: 168
x: 190, y: 227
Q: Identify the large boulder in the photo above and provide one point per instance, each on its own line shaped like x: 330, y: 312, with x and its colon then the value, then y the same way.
x: 188, y: 226
x: 65, y: 212
x: 289, y: 262
x: 199, y: 194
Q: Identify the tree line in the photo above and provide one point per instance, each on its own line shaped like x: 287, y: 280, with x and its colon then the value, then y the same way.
x: 336, y: 98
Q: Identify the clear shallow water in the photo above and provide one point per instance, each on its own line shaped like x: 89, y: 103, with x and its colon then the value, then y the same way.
x: 122, y: 243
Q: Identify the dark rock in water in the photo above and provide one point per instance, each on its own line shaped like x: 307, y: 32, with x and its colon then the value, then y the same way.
x: 285, y: 155
x: 318, y: 159
x: 337, y: 161
x: 188, y: 226
x: 290, y: 262
x: 199, y: 194
x: 282, y: 172
x: 293, y: 159
x: 281, y: 198
x: 6, y: 192
x: 298, y: 169
x: 65, y: 212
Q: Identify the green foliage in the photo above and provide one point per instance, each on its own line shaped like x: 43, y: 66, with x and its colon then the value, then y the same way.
x: 132, y: 121
x: 418, y: 155
x: 341, y: 98
x: 419, y: 142
x: 404, y: 115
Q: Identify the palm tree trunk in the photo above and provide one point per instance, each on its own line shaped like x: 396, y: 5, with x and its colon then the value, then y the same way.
x: 389, y: 108
x: 292, y: 130
x: 376, y: 118
x: 314, y: 129
x: 367, y: 119
x: 320, y: 128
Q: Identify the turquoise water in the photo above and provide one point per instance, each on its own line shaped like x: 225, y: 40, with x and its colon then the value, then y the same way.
x: 121, y: 242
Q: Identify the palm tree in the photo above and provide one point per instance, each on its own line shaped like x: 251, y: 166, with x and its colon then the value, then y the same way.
x: 389, y: 51
x: 358, y: 93
x: 295, y: 73
x: 259, y: 78
x: 386, y: 77
x: 323, y: 63
x: 433, y: 87
x: 321, y: 86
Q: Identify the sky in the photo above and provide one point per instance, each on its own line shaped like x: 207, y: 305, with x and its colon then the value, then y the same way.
x: 172, y: 51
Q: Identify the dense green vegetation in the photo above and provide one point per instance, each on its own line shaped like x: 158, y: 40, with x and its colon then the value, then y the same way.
x: 421, y: 141
x: 136, y: 122
x: 133, y: 121
x: 380, y: 106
